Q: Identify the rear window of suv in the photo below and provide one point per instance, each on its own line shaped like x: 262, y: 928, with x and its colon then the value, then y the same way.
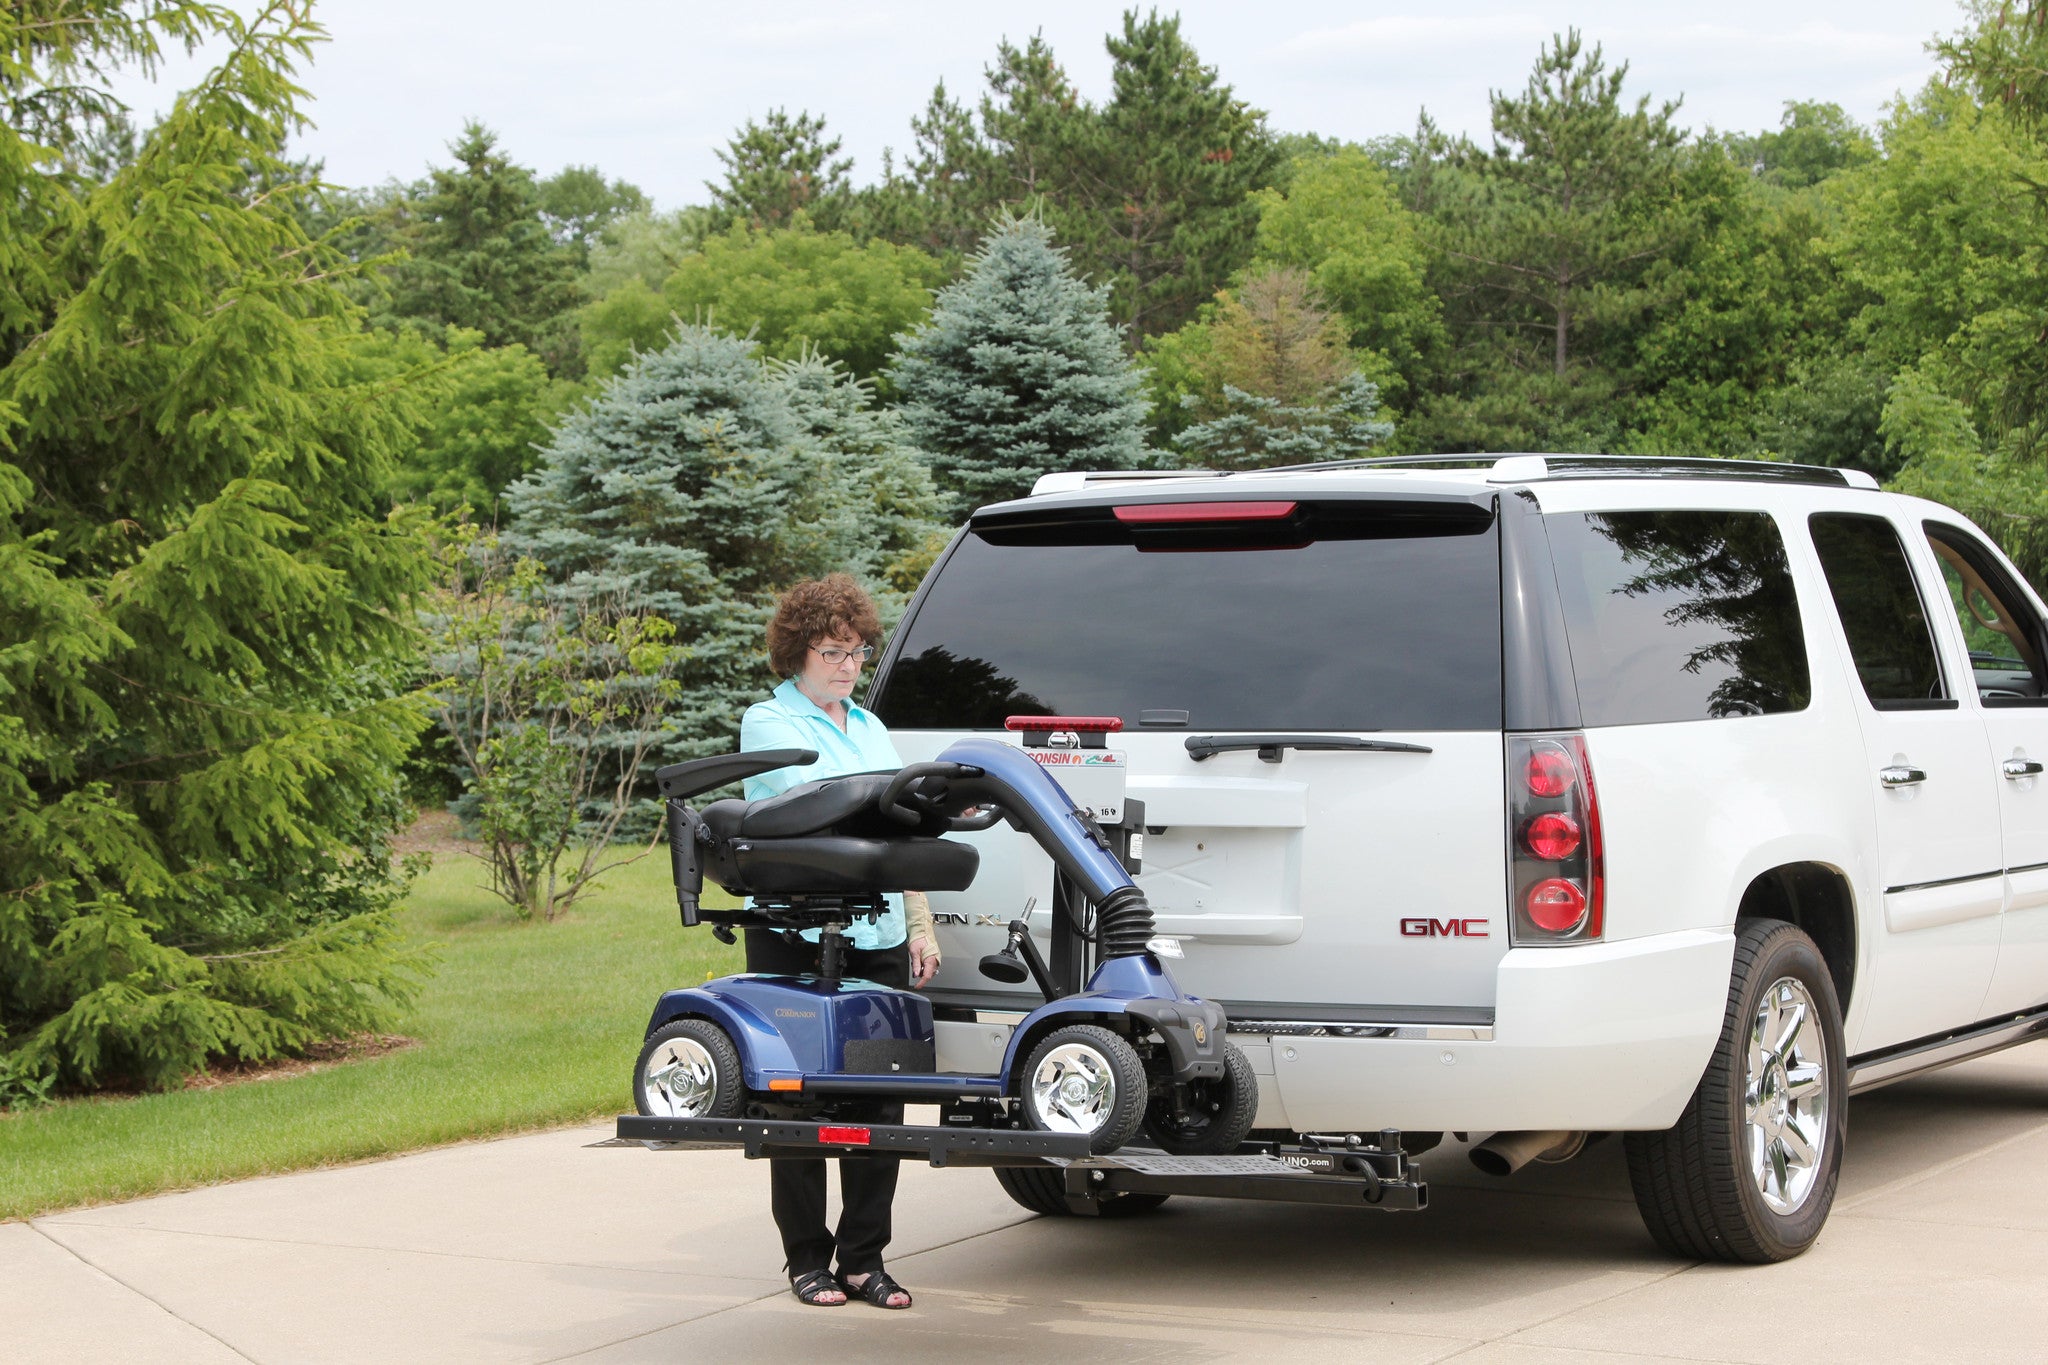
x: 1346, y: 616
x: 1679, y: 615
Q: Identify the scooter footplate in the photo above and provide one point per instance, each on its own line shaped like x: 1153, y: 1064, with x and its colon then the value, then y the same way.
x: 790, y: 1137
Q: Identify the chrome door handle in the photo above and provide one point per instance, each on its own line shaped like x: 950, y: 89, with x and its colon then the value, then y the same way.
x: 2017, y: 768
x: 1900, y: 775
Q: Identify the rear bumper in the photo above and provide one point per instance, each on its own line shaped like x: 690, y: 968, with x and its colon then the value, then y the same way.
x: 1605, y: 1036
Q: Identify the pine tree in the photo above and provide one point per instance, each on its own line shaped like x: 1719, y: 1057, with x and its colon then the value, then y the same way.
x: 1019, y: 374
x: 200, y: 608
x: 779, y: 168
x: 483, y: 257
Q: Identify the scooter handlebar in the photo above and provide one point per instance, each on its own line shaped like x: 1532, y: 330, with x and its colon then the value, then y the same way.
x: 892, y: 803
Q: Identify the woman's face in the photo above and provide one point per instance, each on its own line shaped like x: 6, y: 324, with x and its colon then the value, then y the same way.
x: 823, y: 680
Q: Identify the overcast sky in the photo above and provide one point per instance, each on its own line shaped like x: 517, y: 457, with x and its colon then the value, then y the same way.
x: 646, y: 90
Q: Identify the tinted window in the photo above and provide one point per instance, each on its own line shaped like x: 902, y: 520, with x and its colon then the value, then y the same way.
x: 1679, y: 615
x: 1880, y: 610
x: 1998, y: 622
x: 1345, y: 617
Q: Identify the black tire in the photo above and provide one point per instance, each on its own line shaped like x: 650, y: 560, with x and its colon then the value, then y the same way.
x: 1213, y: 1117
x: 1043, y: 1189
x: 1717, y: 1186
x: 1084, y: 1079
x: 695, y: 1072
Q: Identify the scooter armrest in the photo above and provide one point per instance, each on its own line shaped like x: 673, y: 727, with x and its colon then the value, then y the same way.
x: 681, y: 781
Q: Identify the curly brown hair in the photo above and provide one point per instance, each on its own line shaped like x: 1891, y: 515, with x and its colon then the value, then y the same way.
x: 815, y: 610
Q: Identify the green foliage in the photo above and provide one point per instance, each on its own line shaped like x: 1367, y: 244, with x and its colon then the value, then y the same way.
x: 1340, y: 221
x: 797, y: 289
x: 1019, y: 373
x: 630, y: 319
x: 483, y: 258
x: 200, y: 608
x: 487, y: 412
x: 551, y: 703
x: 1813, y: 142
x: 942, y: 199
x: 780, y: 168
x: 1255, y: 430
x: 694, y: 487
x: 1265, y: 377
x: 644, y: 246
x: 577, y: 203
x: 1547, y: 241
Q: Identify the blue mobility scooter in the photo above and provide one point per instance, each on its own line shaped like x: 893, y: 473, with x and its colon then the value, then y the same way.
x: 766, y: 1061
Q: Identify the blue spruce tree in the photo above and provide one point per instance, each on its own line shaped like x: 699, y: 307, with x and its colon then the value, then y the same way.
x: 1019, y: 373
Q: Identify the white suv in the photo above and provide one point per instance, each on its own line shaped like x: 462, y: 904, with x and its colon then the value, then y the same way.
x: 1537, y: 797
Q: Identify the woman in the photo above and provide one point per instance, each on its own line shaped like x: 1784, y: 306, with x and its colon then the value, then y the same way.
x: 822, y: 633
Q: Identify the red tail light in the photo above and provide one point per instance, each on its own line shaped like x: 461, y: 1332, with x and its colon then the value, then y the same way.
x: 1558, y: 881
x: 1552, y: 836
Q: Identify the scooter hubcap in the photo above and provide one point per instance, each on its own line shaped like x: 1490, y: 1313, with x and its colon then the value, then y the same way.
x: 1073, y: 1090
x: 681, y: 1079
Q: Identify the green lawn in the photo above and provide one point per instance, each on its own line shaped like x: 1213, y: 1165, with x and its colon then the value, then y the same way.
x: 525, y: 1026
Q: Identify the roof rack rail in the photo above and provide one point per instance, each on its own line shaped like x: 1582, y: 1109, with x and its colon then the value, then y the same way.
x: 1534, y: 468
x: 1066, y: 481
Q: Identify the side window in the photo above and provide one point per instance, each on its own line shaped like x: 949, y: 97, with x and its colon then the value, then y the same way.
x: 1998, y: 622
x: 1871, y: 582
x: 1679, y: 615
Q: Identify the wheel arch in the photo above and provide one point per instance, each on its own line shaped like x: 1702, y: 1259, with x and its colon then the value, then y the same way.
x: 1027, y: 1034
x: 1816, y: 898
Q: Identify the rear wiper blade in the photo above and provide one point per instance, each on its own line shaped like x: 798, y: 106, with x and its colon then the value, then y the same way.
x: 1272, y: 748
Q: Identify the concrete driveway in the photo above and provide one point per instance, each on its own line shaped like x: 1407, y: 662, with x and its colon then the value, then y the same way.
x: 540, y: 1249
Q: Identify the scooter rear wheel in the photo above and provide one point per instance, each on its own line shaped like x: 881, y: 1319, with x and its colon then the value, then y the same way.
x: 1212, y: 1117
x: 1085, y: 1079
x: 689, y: 1069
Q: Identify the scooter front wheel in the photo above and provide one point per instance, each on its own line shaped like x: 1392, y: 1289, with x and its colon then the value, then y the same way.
x: 1085, y: 1079
x: 689, y: 1069
x: 1207, y: 1118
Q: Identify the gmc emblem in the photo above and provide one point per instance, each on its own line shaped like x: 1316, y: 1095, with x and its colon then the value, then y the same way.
x: 1444, y: 928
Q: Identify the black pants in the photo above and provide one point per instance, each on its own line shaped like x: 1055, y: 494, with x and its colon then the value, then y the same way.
x: 867, y: 1184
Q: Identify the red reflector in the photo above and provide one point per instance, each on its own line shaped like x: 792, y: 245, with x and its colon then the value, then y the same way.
x: 1161, y: 513
x: 1549, y: 772
x: 1552, y: 837
x: 1556, y: 905
x: 1078, y: 724
x: 854, y: 1137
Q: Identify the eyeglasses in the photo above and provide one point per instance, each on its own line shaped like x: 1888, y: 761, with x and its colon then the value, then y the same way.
x: 835, y: 656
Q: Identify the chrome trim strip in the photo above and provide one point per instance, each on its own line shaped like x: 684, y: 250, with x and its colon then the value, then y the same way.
x: 1302, y: 1028
x: 1945, y: 881
x: 1909, y: 1059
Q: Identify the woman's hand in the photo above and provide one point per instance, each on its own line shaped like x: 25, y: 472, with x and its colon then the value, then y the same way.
x: 924, y: 961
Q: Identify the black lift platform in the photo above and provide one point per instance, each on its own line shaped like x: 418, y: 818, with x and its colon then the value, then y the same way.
x: 1313, y: 1170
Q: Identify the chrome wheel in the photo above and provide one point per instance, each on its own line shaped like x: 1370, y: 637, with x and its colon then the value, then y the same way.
x: 682, y: 1079
x: 1785, y: 1095
x: 1073, y: 1089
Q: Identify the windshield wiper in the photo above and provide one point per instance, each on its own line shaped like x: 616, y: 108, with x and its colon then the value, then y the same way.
x: 1272, y: 748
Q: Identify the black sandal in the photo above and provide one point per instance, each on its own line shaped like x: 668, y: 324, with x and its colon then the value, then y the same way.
x: 811, y: 1287
x: 875, y: 1289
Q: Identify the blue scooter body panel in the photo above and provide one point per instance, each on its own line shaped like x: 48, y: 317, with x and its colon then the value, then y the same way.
x: 791, y: 1026
x: 1058, y: 825
x: 1111, y: 989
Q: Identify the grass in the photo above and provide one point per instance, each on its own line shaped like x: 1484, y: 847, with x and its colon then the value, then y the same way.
x: 525, y: 1026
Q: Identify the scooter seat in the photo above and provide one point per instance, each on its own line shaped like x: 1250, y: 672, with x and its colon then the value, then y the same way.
x: 832, y: 805
x: 838, y: 865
